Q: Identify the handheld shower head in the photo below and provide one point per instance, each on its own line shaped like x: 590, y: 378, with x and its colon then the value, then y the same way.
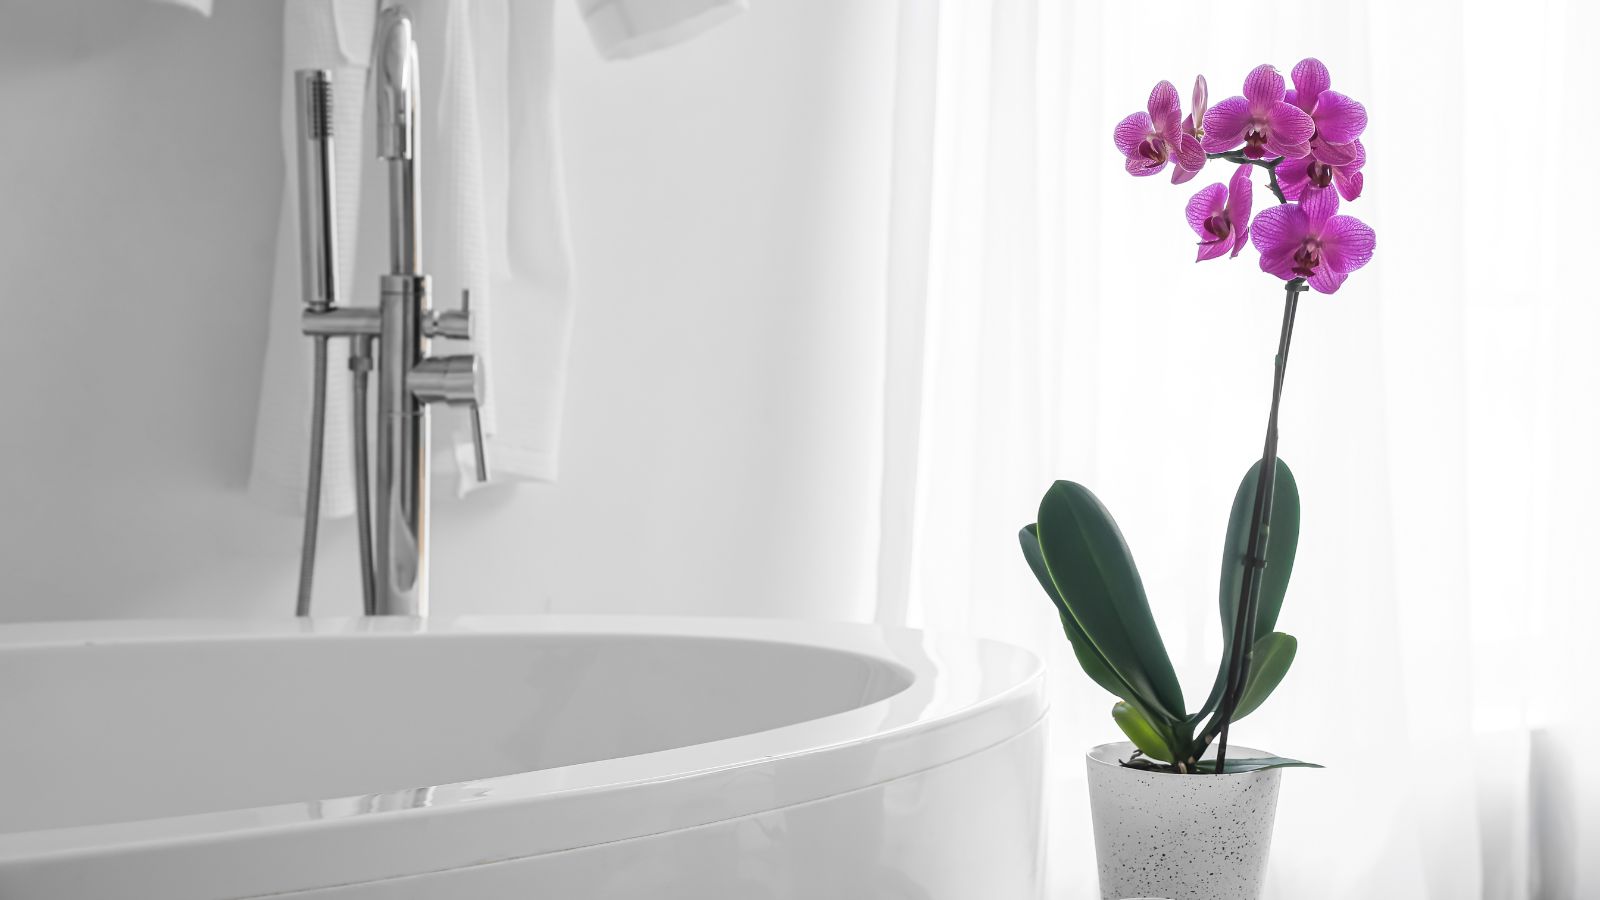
x: 319, y: 279
x: 319, y: 248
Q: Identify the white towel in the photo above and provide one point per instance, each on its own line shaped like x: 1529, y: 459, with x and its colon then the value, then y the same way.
x: 627, y: 28
x: 203, y: 7
x: 493, y: 210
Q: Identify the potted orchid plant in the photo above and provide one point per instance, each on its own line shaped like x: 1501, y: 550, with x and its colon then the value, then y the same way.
x: 1178, y: 811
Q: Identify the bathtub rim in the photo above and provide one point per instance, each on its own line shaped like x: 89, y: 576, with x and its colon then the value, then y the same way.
x: 998, y: 693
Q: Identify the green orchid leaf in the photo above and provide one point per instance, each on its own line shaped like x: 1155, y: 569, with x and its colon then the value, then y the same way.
x: 1144, y: 735
x: 1096, y: 579
x: 1235, y: 766
x: 1283, y: 538
x: 1089, y: 658
x: 1094, y: 665
x: 1269, y: 662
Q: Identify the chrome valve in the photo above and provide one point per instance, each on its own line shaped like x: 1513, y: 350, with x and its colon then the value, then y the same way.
x: 455, y: 381
x: 454, y: 324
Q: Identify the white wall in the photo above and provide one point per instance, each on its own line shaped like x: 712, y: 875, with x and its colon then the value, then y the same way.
x: 722, y: 443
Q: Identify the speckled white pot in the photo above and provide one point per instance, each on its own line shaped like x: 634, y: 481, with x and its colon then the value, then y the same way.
x: 1180, y: 837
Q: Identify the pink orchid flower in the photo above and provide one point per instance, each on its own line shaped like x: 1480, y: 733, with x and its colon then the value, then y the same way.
x: 1310, y: 240
x: 1260, y: 120
x: 1193, y: 126
x: 1336, y: 146
x: 1297, y: 176
x: 1151, y: 139
x: 1195, y: 121
x: 1339, y: 119
x: 1221, y: 216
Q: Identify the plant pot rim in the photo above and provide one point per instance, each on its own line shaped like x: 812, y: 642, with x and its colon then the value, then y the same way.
x: 1111, y: 755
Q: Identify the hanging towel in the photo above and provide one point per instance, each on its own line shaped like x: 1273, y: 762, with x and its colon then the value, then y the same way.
x: 626, y: 28
x: 203, y: 7
x: 493, y: 220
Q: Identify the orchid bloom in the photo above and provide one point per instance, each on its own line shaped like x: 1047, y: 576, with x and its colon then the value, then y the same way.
x: 1260, y: 120
x: 1150, y: 139
x: 1297, y: 176
x: 1195, y: 121
x: 1221, y: 216
x: 1193, y: 126
x: 1339, y: 119
x: 1336, y: 153
x: 1310, y: 240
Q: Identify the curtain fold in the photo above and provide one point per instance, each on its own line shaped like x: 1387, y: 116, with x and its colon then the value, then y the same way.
x: 1046, y: 320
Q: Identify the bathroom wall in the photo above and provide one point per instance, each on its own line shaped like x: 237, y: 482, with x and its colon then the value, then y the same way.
x: 721, y: 444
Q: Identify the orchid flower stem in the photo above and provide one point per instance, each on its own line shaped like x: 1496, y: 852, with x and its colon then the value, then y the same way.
x: 1271, y: 165
x: 1260, y: 533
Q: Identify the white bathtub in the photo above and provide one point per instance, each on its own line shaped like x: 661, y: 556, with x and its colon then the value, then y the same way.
x: 541, y: 757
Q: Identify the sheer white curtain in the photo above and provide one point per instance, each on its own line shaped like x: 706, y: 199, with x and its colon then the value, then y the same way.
x: 1045, y: 320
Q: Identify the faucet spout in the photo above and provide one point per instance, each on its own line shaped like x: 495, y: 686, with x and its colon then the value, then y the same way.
x: 394, y: 65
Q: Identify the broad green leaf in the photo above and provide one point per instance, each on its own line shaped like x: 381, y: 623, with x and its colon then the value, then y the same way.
x: 1139, y: 730
x: 1089, y: 658
x: 1269, y: 662
x: 1098, y: 583
x: 1235, y: 766
x: 1282, y: 539
x: 1094, y: 665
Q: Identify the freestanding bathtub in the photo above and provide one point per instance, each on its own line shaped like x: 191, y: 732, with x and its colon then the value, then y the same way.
x: 539, y: 757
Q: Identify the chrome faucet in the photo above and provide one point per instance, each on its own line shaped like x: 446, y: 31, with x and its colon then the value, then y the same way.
x: 394, y: 555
